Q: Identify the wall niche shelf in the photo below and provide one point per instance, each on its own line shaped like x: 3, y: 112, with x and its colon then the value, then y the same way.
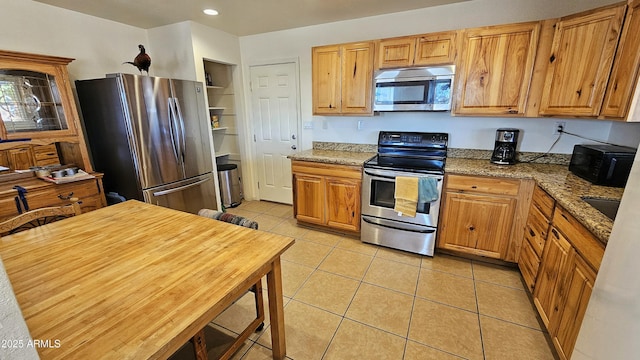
x: 221, y: 99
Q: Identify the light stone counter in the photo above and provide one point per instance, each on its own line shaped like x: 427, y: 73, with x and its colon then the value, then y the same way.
x: 339, y: 157
x: 556, y: 179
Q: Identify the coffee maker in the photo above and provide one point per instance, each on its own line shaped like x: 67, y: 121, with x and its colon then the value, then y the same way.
x: 504, y: 150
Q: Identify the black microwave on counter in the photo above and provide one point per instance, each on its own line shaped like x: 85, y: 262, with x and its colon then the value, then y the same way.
x: 607, y: 165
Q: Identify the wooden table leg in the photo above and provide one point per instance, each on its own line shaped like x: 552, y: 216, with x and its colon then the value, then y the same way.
x: 276, y: 310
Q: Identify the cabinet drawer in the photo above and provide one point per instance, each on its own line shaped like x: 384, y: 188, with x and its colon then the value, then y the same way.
x: 543, y: 201
x: 46, y: 155
x: 486, y: 185
x: 56, y: 195
x: 529, y: 263
x: 537, y: 229
x: 324, y: 169
x: 591, y: 249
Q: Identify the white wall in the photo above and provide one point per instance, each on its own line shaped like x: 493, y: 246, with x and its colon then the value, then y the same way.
x: 612, y: 323
x: 465, y: 132
x: 99, y: 46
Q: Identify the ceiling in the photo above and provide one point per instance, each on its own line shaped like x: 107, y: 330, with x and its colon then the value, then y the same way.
x: 240, y: 17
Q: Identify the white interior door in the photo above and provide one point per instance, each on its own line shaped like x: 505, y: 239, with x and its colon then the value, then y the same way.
x: 274, y: 107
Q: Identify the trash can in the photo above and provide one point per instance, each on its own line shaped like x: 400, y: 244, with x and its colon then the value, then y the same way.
x: 230, y: 186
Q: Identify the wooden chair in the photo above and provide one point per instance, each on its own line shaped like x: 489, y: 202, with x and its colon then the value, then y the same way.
x: 39, y: 217
x: 199, y: 341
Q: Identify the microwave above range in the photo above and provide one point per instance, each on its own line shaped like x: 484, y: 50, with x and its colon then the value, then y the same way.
x: 414, y: 89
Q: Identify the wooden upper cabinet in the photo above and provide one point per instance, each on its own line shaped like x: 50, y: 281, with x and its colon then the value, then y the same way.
x: 421, y: 50
x: 493, y: 71
x: 436, y: 49
x: 397, y: 52
x: 326, y: 79
x: 36, y: 99
x: 626, y: 68
x: 581, y: 58
x: 342, y: 79
x: 357, y: 78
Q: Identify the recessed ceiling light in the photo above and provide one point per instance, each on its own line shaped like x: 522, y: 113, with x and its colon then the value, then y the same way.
x: 210, y: 12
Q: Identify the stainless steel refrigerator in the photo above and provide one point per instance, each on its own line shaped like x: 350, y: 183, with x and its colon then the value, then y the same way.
x: 149, y: 136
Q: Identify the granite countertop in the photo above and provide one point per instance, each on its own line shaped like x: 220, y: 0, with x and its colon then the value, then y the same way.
x: 558, y: 181
x: 341, y: 157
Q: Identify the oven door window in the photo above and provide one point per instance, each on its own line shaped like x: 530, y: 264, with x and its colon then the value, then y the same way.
x: 382, y: 195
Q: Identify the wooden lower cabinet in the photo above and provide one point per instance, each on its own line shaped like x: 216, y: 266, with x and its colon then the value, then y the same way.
x: 565, y: 280
x: 309, y: 198
x: 579, y: 286
x: 536, y: 233
x: 327, y: 194
x: 480, y: 224
x: 343, y: 203
x: 484, y: 216
x: 41, y: 194
x: 551, y: 276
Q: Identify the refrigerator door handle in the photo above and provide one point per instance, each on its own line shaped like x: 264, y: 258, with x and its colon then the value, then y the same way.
x: 180, y: 188
x: 182, y: 130
x: 172, y: 129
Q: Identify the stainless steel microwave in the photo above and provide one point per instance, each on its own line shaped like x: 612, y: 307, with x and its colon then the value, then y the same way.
x: 414, y: 89
x: 607, y: 165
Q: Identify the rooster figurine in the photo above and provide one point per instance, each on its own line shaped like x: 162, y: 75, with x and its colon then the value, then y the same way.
x: 142, y: 61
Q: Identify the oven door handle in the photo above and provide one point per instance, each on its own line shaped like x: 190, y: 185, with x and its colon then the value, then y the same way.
x: 376, y: 174
x: 381, y: 222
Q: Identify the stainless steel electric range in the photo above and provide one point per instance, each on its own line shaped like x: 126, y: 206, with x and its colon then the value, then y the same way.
x: 410, y: 154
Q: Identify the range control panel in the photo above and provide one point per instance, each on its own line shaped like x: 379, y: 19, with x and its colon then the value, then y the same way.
x: 412, y: 139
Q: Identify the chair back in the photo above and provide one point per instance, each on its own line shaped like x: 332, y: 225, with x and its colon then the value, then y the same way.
x: 38, y: 217
x: 227, y: 217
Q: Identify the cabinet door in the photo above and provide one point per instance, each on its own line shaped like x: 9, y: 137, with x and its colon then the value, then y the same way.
x: 626, y: 66
x: 35, y: 101
x: 357, y: 78
x: 578, y: 287
x: 309, y: 198
x: 343, y: 203
x: 326, y: 80
x: 550, y: 275
x: 580, y: 63
x: 495, y: 67
x: 397, y: 52
x: 21, y: 158
x: 477, y: 224
x: 435, y: 49
x: 8, y: 206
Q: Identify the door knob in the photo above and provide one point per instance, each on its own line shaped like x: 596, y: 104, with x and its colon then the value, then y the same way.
x: 293, y: 147
x: 293, y: 136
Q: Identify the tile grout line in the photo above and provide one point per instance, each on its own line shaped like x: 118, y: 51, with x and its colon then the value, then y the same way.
x: 475, y: 291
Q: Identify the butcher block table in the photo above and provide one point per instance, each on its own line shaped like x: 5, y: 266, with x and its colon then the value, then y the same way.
x: 137, y: 281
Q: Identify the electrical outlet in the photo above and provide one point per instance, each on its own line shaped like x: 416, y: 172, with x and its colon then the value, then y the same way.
x: 558, y: 127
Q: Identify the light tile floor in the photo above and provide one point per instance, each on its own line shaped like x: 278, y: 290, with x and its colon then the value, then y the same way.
x: 348, y: 300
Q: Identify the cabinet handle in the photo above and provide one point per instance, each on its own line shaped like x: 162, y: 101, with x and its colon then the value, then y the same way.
x: 471, y: 228
x: 474, y: 186
x: 62, y: 197
x: 532, y: 233
x: 555, y: 233
x: 565, y: 217
x: 552, y: 58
